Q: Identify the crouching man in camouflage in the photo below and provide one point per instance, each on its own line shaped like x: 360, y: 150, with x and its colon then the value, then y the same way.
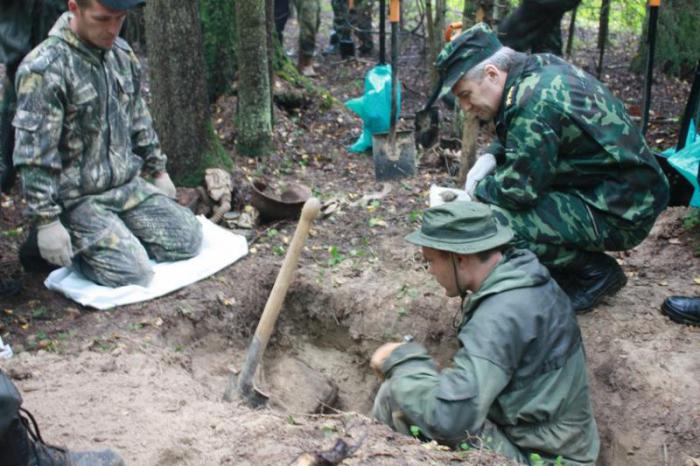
x: 84, y: 143
x: 568, y: 170
x: 518, y: 384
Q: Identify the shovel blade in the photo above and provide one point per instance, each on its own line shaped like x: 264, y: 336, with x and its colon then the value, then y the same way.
x: 240, y: 389
x: 393, y: 161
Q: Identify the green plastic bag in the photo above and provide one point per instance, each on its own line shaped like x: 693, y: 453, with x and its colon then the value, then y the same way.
x: 374, y: 107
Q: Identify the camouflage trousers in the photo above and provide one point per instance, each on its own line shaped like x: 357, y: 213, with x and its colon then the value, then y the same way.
x: 561, y: 228
x: 535, y: 26
x: 359, y: 19
x: 115, y: 233
x: 309, y: 18
x: 387, y: 411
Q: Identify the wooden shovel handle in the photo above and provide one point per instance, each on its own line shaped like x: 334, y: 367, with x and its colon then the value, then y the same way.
x: 394, y: 11
x: 274, y: 302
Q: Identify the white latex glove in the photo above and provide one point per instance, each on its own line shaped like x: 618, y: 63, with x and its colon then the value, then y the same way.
x: 165, y: 184
x: 54, y: 243
x: 482, y: 167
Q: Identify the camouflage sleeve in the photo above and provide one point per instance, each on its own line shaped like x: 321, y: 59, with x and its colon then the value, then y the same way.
x: 531, y: 150
x: 448, y: 404
x: 144, y: 140
x: 497, y: 150
x: 38, y: 123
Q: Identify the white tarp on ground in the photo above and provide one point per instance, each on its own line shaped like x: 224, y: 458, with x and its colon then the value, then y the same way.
x: 220, y: 248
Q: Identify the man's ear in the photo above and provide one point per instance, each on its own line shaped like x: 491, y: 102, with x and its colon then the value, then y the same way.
x: 491, y: 72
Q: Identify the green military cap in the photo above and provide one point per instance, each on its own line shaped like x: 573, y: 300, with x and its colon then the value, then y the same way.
x: 460, y: 227
x: 460, y: 55
x: 121, y: 4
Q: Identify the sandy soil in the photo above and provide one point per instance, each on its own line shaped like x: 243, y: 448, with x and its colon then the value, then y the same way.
x: 148, y: 379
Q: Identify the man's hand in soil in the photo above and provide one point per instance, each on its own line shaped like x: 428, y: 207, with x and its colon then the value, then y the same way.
x: 380, y: 356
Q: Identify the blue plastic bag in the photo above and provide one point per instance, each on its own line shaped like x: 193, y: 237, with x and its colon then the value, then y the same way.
x: 687, y: 160
x: 374, y: 107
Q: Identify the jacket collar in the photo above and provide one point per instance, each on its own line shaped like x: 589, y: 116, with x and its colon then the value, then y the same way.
x: 62, y: 31
x: 518, y: 268
x: 514, y: 74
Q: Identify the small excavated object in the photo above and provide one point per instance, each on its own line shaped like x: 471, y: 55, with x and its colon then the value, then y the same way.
x: 219, y: 187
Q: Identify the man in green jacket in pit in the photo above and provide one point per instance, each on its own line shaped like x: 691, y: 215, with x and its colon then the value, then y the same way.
x: 518, y: 384
x: 568, y: 171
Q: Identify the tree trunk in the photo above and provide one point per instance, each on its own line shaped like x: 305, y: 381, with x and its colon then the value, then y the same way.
x: 218, y: 31
x: 677, y: 41
x: 431, y: 39
x: 470, y: 133
x: 178, y: 86
x: 572, y: 32
x: 603, y: 34
x: 253, y: 116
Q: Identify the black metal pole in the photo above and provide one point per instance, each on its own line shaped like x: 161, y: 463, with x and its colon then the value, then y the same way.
x: 382, y: 32
x: 651, y: 46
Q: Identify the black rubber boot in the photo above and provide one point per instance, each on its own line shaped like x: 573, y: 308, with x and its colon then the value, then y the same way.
x: 590, y: 279
x: 22, y: 445
x: 682, y: 309
x: 347, y: 48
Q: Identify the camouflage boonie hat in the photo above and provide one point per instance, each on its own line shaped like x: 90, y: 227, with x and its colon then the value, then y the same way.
x: 460, y: 55
x: 460, y: 227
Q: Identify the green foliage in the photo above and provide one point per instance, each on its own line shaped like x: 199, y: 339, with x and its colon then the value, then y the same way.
x: 218, y: 34
x: 536, y: 460
x: 11, y: 233
x: 336, y: 257
x: 625, y: 16
x: 415, y: 431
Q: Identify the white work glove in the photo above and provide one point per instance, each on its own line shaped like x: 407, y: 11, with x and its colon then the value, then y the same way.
x: 482, y: 167
x: 163, y: 182
x: 54, y: 243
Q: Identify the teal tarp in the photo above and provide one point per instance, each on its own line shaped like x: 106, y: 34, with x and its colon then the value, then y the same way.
x: 687, y: 160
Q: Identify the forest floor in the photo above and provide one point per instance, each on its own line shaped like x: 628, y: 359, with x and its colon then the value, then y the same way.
x: 148, y: 379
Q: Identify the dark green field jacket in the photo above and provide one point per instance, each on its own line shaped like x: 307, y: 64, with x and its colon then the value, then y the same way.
x: 521, y: 366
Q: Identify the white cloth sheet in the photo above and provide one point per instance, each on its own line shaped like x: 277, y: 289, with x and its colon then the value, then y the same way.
x: 220, y: 248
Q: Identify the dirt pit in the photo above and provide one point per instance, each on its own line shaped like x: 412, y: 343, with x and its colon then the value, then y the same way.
x: 148, y: 380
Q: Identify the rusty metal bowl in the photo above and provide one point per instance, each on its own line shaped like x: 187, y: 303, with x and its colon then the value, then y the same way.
x: 286, y: 205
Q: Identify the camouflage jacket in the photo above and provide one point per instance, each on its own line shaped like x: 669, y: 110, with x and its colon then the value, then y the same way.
x: 521, y: 366
x: 82, y: 126
x: 559, y: 129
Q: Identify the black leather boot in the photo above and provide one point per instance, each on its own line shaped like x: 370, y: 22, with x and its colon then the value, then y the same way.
x: 590, y: 279
x: 22, y: 445
x: 682, y: 309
